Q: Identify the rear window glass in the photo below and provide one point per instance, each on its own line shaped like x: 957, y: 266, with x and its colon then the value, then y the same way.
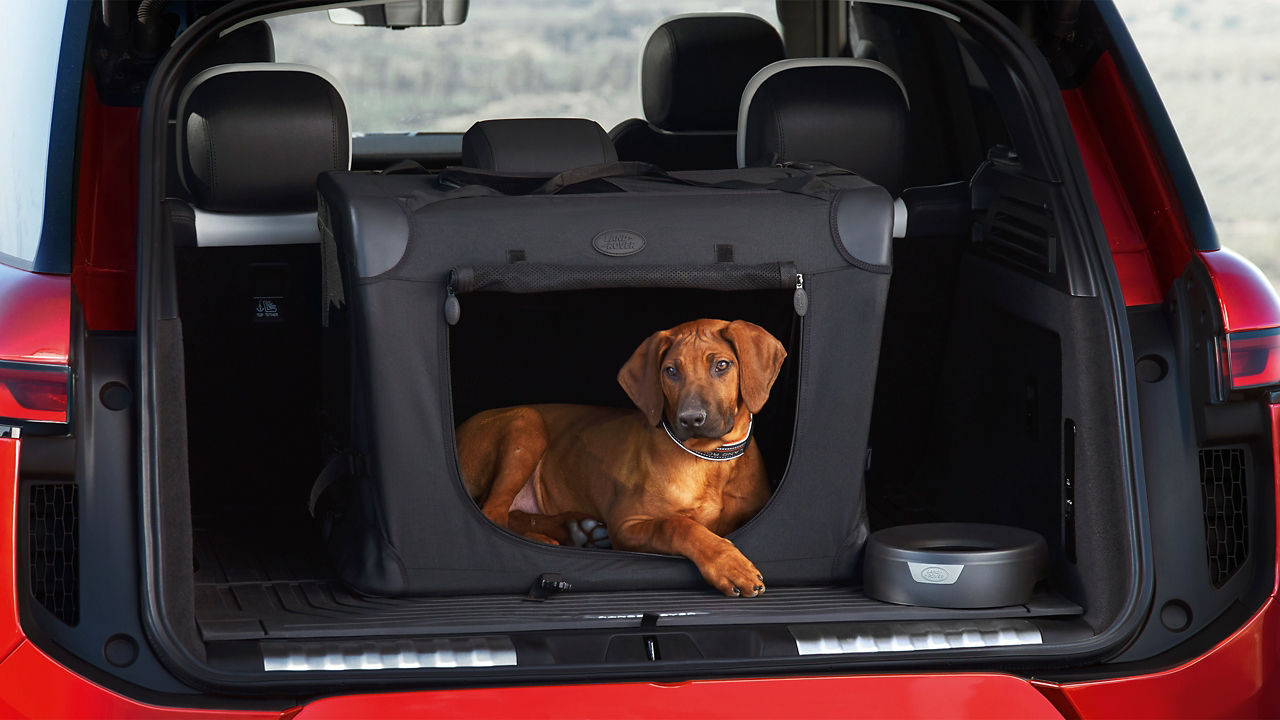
x: 33, y: 171
x: 511, y: 58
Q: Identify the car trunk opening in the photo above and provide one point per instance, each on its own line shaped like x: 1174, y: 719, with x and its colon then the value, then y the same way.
x: 993, y: 397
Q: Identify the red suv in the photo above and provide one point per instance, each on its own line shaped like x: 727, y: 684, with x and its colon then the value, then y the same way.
x: 244, y: 313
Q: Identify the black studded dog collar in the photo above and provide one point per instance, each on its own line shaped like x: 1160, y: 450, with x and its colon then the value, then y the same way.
x: 720, y: 454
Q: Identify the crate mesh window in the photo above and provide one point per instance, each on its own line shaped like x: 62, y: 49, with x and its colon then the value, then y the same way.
x: 54, y: 538
x: 1226, y: 516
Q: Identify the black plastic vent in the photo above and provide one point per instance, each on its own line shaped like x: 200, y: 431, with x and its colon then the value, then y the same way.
x: 54, y: 545
x: 1023, y: 232
x: 1226, y: 511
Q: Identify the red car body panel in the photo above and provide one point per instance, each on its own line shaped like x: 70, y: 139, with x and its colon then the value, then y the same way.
x: 35, y: 345
x: 1133, y: 262
x: 33, y: 685
x: 1235, y: 680
x: 1250, y: 316
x: 35, y: 317
x: 1249, y: 301
x: 1145, y: 226
x: 10, y: 627
x: 104, y: 262
x: 959, y: 695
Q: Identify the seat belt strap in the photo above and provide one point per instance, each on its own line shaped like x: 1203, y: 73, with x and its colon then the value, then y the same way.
x: 338, y: 466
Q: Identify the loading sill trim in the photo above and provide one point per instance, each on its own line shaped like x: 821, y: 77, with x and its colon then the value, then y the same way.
x: 468, y: 652
x: 849, y: 638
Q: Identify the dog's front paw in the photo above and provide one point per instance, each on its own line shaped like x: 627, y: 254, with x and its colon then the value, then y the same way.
x: 732, y: 573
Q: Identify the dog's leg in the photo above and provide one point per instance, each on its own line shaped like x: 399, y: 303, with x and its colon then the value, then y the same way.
x: 719, y: 561
x: 742, y: 499
x: 566, y: 528
x: 497, y: 453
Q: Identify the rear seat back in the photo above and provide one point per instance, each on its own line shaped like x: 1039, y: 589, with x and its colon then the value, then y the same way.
x: 691, y: 77
x: 251, y: 140
x: 849, y: 112
x: 252, y: 43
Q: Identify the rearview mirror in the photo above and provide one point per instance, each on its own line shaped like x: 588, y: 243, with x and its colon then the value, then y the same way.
x: 404, y: 13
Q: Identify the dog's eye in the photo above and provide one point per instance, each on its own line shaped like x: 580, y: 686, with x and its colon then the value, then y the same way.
x: 670, y: 371
x: 722, y: 365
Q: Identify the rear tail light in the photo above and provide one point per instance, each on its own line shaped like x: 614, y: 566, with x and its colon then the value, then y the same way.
x: 1253, y: 358
x: 33, y: 393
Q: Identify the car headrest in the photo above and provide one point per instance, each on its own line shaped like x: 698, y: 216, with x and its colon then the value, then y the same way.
x: 850, y: 112
x: 247, y: 44
x: 253, y: 137
x: 536, y: 145
x: 695, y: 67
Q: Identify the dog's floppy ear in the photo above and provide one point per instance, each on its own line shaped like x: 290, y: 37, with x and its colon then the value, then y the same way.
x: 760, y: 357
x: 639, y: 376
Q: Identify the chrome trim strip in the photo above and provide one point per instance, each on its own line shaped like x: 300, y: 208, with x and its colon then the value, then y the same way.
x: 847, y: 638
x: 472, y: 652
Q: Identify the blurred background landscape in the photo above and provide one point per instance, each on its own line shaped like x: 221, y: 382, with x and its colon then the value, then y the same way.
x: 1216, y: 64
x: 511, y: 58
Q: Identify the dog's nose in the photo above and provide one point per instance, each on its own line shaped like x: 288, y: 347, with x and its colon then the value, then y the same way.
x: 692, y: 418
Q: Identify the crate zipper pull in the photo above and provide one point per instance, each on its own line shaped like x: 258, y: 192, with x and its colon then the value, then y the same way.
x: 800, y: 298
x: 452, y: 308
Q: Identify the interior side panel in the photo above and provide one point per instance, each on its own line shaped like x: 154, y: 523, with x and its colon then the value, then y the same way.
x: 1022, y: 405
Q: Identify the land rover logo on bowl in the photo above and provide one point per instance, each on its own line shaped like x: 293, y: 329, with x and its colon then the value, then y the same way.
x: 934, y: 574
x: 618, y: 243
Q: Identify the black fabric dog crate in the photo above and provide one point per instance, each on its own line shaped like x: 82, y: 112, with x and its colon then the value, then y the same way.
x: 608, y: 259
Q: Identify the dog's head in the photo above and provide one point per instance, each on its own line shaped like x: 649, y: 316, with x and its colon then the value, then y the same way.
x: 701, y: 373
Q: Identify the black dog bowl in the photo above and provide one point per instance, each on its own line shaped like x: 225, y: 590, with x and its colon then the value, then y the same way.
x: 954, y: 565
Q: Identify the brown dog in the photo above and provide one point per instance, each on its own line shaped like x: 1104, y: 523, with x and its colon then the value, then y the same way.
x: 672, y: 478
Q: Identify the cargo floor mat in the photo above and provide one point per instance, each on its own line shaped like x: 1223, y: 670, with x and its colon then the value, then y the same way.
x: 251, y: 586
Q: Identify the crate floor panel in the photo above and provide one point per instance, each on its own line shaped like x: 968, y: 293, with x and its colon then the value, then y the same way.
x: 254, y: 587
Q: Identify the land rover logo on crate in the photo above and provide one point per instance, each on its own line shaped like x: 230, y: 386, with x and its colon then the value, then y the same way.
x: 618, y: 243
